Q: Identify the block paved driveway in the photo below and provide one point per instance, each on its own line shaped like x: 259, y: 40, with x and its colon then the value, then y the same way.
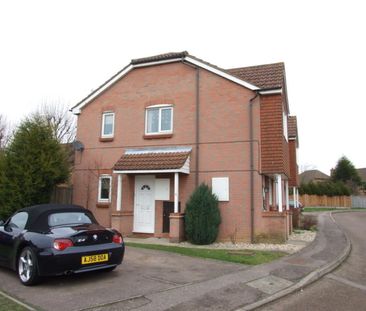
x: 143, y: 272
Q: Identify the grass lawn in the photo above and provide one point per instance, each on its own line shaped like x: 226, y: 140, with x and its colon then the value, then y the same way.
x: 328, y: 209
x: 248, y: 257
x: 322, y: 209
x: 7, y: 304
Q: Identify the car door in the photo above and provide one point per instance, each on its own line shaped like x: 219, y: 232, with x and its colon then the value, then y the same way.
x: 9, y: 236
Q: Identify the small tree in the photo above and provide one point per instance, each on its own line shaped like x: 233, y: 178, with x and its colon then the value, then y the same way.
x: 34, y: 162
x: 346, y: 173
x: 202, y: 216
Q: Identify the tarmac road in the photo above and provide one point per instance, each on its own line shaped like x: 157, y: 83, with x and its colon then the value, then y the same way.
x: 344, y: 288
x: 142, y: 272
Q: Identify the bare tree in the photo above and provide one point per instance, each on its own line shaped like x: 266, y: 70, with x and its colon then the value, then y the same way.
x: 93, y: 172
x: 4, y: 132
x: 61, y: 120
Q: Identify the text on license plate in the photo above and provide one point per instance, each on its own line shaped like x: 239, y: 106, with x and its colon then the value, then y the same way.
x: 94, y: 258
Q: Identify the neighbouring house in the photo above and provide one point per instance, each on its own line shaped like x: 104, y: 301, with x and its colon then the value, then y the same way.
x: 362, y: 173
x: 164, y: 124
x: 313, y: 176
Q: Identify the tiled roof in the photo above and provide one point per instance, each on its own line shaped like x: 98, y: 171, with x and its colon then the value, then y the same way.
x: 312, y: 175
x: 264, y: 76
x: 160, y: 57
x: 151, y: 161
x: 268, y: 76
x: 292, y: 127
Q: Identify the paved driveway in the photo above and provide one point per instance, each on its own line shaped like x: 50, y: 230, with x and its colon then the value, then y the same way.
x: 143, y: 272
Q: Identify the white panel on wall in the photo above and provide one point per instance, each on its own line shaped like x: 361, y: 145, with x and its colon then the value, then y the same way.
x: 162, y: 189
x: 220, y: 187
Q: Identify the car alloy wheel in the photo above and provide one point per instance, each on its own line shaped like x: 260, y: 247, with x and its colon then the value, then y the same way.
x: 27, y: 268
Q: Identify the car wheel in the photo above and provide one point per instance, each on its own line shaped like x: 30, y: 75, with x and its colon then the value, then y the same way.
x: 27, y: 267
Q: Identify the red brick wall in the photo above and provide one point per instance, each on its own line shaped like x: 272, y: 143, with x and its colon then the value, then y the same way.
x: 274, y: 147
x: 224, y: 137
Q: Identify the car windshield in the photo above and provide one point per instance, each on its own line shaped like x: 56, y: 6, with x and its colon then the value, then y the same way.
x: 67, y: 218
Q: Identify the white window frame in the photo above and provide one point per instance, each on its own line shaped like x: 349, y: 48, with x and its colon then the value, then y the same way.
x: 160, y: 131
x: 100, y: 188
x: 107, y: 113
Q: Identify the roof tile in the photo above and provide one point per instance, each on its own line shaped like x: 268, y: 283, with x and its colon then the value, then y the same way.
x: 268, y: 76
x: 151, y: 161
x: 160, y: 57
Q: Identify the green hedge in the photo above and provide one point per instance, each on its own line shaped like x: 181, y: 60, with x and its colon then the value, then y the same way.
x: 329, y: 188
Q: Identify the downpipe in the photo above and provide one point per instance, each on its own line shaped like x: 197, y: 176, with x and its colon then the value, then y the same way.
x: 251, y: 155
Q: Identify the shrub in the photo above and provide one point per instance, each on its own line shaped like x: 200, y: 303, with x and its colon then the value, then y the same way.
x: 202, y: 216
x: 308, y: 222
x: 32, y: 164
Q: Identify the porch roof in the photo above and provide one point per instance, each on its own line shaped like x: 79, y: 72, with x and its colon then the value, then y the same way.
x: 153, y: 162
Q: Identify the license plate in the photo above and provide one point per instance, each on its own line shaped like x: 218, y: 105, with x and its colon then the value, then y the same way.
x: 85, y: 260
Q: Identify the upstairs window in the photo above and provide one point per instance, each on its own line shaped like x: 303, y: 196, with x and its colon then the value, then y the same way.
x: 159, y: 120
x: 108, y: 125
x: 105, y: 187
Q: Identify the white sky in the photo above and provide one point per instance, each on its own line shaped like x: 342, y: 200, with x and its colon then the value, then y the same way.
x: 58, y: 51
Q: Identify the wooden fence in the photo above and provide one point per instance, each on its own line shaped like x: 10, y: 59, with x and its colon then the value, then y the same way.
x: 323, y: 200
x: 62, y: 195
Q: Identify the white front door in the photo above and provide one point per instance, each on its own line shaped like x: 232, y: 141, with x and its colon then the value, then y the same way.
x: 144, y: 212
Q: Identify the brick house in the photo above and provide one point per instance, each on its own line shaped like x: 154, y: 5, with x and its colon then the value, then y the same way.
x: 164, y: 124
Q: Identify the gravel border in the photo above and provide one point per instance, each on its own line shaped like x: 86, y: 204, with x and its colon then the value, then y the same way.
x: 297, y: 240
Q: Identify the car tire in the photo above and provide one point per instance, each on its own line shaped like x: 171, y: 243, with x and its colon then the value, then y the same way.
x: 27, y: 267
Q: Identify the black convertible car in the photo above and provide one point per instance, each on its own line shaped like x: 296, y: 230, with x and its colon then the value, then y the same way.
x: 53, y: 239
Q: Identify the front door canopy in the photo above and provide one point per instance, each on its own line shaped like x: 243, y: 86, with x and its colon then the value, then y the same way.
x: 148, y: 160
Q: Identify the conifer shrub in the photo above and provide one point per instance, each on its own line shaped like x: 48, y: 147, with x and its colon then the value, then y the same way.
x: 202, y: 216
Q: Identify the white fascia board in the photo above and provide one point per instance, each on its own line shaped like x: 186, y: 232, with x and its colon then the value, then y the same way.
x: 77, y: 109
x: 160, y: 62
x: 271, y: 92
x: 221, y: 73
x: 180, y: 170
x: 158, y: 150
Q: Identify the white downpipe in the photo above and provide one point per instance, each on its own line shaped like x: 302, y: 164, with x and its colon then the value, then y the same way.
x: 119, y: 192
x: 279, y: 191
x: 294, y: 196
x: 176, y: 192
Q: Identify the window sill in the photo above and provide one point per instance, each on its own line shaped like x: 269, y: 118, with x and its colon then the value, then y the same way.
x: 105, y: 139
x: 157, y: 136
x: 103, y: 204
